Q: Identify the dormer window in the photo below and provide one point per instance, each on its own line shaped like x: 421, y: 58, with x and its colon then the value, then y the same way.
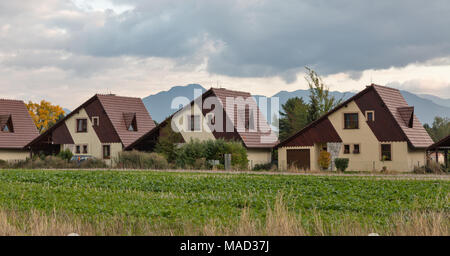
x: 6, y: 124
x: 130, y: 121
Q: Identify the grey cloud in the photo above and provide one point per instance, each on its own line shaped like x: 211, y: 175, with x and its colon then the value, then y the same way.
x: 249, y: 38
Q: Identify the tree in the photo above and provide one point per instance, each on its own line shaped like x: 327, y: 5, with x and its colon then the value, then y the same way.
x: 440, y: 128
x: 44, y: 114
x: 293, y: 117
x: 319, y: 94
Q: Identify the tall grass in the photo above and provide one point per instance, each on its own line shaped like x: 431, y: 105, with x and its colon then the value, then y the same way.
x: 279, y: 221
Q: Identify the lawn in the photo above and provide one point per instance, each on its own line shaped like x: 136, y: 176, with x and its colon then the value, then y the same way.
x: 174, y: 200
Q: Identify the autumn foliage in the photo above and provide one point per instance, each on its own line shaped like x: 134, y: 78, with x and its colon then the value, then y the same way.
x: 324, y: 159
x: 44, y: 114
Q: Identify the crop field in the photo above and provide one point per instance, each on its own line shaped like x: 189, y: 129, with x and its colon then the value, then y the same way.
x: 146, y: 202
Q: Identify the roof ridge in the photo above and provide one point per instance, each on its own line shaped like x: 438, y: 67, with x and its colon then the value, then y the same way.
x: 12, y: 100
x: 225, y: 89
x: 114, y: 95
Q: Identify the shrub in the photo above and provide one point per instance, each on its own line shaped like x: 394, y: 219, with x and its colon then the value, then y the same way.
x: 141, y: 160
x: 189, y: 152
x: 65, y: 154
x: 167, y: 143
x: 93, y: 163
x: 263, y: 167
x: 341, y: 164
x: 324, y: 159
x: 238, y: 153
x: 3, y: 164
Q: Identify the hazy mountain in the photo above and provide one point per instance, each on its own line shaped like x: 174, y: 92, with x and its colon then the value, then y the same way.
x: 159, y: 105
x: 435, y: 99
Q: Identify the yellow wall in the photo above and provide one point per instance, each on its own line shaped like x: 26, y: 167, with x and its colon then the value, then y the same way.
x: 181, y: 119
x: 95, y: 147
x: 369, y: 158
x: 259, y: 156
x: 12, y: 155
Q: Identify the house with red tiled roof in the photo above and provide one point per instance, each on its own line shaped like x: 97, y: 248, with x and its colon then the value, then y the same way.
x: 218, y: 114
x: 16, y: 130
x: 101, y: 127
x: 375, y: 128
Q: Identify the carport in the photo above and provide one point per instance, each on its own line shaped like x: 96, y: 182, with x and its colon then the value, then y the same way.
x: 441, y: 146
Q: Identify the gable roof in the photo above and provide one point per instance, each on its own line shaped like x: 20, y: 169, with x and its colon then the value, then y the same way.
x: 443, y: 143
x: 249, y: 138
x: 416, y: 135
x: 23, y: 126
x: 397, y: 107
x: 115, y: 107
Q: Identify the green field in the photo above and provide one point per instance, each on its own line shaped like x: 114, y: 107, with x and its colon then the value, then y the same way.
x: 174, y: 199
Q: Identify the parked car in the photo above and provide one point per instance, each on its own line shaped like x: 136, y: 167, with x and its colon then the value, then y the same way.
x: 80, y: 158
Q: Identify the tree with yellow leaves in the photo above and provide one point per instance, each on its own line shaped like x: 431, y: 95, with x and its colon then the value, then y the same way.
x: 44, y: 114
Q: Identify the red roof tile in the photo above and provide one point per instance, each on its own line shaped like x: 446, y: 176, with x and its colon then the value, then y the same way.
x: 24, y: 128
x: 117, y: 108
x: 417, y: 135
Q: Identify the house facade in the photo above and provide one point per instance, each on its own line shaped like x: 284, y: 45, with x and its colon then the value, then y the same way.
x: 16, y: 130
x: 376, y: 128
x: 101, y: 127
x: 218, y: 114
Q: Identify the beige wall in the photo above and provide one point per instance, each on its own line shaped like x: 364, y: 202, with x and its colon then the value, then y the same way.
x: 90, y: 138
x: 259, y: 156
x: 180, y: 120
x: 369, y: 158
x: 12, y: 155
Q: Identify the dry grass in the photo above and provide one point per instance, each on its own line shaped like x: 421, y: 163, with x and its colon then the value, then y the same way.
x: 279, y: 221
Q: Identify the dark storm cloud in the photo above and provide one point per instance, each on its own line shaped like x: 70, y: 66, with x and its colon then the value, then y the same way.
x: 261, y: 38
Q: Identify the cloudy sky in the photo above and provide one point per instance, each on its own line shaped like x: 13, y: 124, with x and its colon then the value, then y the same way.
x: 65, y: 51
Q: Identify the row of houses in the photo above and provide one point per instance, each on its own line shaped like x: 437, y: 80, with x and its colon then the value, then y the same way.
x: 374, y: 128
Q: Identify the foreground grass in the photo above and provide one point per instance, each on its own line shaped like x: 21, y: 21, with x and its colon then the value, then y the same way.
x: 157, y: 203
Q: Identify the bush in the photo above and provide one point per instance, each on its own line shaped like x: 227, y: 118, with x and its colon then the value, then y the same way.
x: 141, y: 160
x: 188, y: 154
x: 93, y: 163
x: 341, y: 164
x: 263, y: 167
x: 65, y: 154
x: 324, y: 159
x: 3, y: 164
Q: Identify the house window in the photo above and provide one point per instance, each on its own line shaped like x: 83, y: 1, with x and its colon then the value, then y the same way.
x: 351, y: 120
x: 6, y: 128
x: 386, y: 153
x: 346, y: 149
x: 78, y: 149
x: 95, y: 121
x: 356, y: 149
x: 81, y: 125
x: 106, y: 151
x: 194, y: 123
x: 370, y: 116
x: 85, y: 149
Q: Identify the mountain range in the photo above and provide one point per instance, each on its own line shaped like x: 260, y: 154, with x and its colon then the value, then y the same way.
x: 426, y: 107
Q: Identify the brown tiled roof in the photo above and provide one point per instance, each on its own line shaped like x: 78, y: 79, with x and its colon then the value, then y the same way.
x: 24, y: 128
x: 117, y: 107
x: 417, y: 135
x: 262, y: 137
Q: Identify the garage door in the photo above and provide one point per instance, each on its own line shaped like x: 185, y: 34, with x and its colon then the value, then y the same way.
x: 298, y: 158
